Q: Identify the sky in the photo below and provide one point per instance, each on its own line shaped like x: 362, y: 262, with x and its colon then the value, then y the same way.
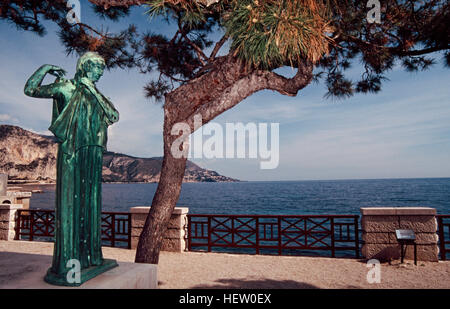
x: 401, y: 132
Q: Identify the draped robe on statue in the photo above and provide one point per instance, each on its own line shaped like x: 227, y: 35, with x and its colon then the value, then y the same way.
x: 81, y: 130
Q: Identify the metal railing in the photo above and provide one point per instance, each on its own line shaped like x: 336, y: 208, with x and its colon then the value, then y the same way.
x: 32, y: 224
x: 444, y: 235
x: 281, y: 234
x: 260, y: 234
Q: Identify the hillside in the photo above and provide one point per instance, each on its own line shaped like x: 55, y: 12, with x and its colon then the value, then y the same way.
x: 29, y: 157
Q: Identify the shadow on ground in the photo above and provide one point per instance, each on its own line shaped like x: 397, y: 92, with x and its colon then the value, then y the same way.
x: 17, y: 266
x: 256, y: 284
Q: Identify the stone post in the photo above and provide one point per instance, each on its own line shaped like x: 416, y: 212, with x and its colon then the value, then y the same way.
x: 3, y: 184
x: 8, y: 221
x: 378, y: 232
x: 20, y: 198
x: 13, y: 195
x: 4, y: 199
x: 175, y: 237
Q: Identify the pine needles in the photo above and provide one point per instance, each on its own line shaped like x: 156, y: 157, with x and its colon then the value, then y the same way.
x: 264, y: 33
x: 271, y: 33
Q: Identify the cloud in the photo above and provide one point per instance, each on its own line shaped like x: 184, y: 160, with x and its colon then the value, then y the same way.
x: 8, y: 118
x: 404, y: 137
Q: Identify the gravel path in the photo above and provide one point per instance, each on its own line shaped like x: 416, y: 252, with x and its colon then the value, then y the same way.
x: 191, y: 270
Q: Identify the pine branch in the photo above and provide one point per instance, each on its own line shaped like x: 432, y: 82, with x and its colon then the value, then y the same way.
x: 184, y: 34
x: 110, y: 3
x: 218, y: 46
x: 104, y: 36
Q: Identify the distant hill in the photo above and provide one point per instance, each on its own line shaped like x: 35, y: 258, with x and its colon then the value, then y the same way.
x: 29, y: 157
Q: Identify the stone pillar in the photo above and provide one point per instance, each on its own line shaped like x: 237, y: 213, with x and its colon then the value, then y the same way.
x: 378, y: 232
x: 8, y: 221
x: 20, y: 198
x: 175, y: 237
x: 3, y: 184
x: 13, y: 195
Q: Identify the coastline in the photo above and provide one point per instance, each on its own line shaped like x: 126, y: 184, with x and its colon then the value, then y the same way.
x: 30, y: 185
x: 114, y: 182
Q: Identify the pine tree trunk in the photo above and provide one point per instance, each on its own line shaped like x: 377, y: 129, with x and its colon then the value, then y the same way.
x: 164, y: 200
x: 179, y: 105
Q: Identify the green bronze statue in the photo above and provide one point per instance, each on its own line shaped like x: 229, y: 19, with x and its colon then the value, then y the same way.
x: 81, y: 116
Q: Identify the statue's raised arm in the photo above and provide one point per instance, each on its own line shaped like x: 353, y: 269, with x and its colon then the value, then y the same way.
x: 33, y: 87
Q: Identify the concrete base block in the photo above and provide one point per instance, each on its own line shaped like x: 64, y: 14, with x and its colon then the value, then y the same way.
x: 175, y: 235
x: 126, y: 276
x: 380, y: 223
x: 27, y: 271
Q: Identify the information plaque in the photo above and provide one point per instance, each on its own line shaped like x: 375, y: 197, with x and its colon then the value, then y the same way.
x: 405, y: 237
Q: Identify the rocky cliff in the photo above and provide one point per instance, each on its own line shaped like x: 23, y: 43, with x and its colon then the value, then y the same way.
x: 27, y: 157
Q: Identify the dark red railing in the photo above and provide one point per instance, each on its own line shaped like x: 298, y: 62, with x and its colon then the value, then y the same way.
x: 279, y: 233
x: 40, y: 223
x: 116, y: 228
x: 282, y: 234
x: 35, y: 223
x: 444, y: 235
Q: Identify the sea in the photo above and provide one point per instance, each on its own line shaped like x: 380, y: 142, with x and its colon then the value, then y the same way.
x: 276, y: 197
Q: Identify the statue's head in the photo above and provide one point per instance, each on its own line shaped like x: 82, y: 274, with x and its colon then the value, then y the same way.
x: 91, y: 65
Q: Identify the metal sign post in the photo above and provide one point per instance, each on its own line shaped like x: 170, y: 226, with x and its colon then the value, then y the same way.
x: 406, y: 237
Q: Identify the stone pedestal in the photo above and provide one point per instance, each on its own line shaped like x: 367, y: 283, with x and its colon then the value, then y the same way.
x: 86, y: 274
x: 7, y: 221
x: 175, y: 236
x: 126, y: 276
x: 378, y: 232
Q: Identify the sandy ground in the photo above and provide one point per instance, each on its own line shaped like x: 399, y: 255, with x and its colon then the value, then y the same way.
x: 191, y: 270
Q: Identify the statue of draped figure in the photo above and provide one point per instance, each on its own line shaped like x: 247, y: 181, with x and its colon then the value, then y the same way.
x: 80, y: 119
